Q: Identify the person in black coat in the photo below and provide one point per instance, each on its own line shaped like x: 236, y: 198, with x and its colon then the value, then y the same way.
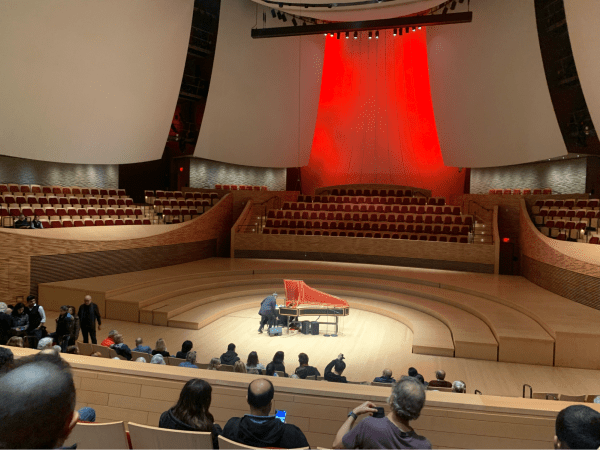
x: 64, y: 328
x: 277, y: 364
x: 304, y: 370
x: 191, y: 412
x: 88, y: 315
x: 185, y: 348
x: 338, y: 365
x: 5, y: 324
x: 230, y: 356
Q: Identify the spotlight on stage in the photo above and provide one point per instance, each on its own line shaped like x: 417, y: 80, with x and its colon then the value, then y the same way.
x: 377, y: 35
x: 414, y: 29
x: 347, y: 35
x: 370, y: 35
x: 395, y: 32
x: 419, y: 28
x: 330, y: 34
x: 355, y: 35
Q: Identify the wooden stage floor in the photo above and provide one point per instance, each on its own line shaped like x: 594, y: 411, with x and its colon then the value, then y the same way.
x: 370, y: 338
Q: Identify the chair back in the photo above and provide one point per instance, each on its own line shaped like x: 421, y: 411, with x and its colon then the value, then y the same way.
x: 376, y: 383
x: 113, y: 354
x: 84, y: 349
x: 172, y: 361
x: 144, y: 436
x: 571, y: 398
x: 104, y: 351
x: 226, y: 444
x: 98, y: 435
x: 441, y: 389
x: 225, y: 368
x: 136, y: 355
x: 545, y: 396
x: 202, y: 366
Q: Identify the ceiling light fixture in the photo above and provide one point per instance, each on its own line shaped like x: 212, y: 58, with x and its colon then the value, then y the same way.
x: 273, y: 13
x: 395, y: 32
x: 377, y: 35
x: 370, y: 34
x: 356, y: 35
x: 347, y: 35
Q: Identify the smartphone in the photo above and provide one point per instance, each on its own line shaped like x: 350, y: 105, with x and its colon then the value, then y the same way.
x: 379, y: 414
x: 281, y: 415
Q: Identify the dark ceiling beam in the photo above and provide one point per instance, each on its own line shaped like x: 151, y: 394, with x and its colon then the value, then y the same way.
x: 368, y: 25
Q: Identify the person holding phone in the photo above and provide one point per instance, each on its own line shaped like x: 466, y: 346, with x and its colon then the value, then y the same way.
x: 390, y: 431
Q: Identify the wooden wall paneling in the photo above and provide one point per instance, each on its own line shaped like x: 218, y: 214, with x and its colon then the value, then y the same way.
x: 239, y: 225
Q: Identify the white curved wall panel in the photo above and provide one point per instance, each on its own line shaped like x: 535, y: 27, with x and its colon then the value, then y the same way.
x: 583, y: 21
x: 252, y: 115
x: 90, y: 82
x: 490, y: 96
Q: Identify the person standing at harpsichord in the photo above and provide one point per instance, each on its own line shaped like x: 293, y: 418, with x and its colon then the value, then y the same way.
x: 267, y: 311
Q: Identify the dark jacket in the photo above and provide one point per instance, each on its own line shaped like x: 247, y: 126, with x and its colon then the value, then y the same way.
x: 5, y: 326
x: 20, y: 321
x: 268, y: 306
x: 181, y: 355
x: 64, y: 325
x: 266, y: 431
x: 438, y: 383
x: 276, y: 367
x: 164, y: 354
x: 307, y: 371
x: 384, y: 380
x: 35, y: 318
x: 330, y: 376
x: 88, y: 316
x: 229, y: 358
x: 76, y: 329
x: 122, y: 350
x: 168, y: 420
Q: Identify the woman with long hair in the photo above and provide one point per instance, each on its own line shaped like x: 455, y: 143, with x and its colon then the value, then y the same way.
x: 277, y: 364
x: 161, y: 348
x: 214, y: 364
x: 252, y: 364
x: 239, y: 367
x: 191, y: 413
x: 19, y: 317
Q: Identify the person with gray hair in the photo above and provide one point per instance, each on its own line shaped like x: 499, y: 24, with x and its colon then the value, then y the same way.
x: 190, y: 360
x: 459, y: 386
x: 37, y: 404
x: 440, y: 380
x: 141, y: 359
x: 214, y: 364
x: 158, y: 359
x: 393, y: 430
x: 5, y: 323
x: 45, y: 343
x: 386, y: 377
x: 110, y: 340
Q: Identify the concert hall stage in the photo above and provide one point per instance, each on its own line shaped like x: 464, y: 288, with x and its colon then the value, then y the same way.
x: 447, y: 314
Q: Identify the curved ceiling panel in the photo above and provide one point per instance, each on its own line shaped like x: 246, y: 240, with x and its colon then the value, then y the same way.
x: 90, y: 82
x: 354, y: 13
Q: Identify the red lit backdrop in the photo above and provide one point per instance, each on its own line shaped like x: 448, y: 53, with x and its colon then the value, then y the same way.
x: 375, y: 122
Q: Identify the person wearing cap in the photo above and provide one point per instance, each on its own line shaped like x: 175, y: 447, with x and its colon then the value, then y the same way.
x: 267, y: 311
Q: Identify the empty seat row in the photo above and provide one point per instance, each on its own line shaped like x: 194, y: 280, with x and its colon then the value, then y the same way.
x: 181, y: 202
x: 16, y: 210
x: 372, y: 192
x: 240, y: 187
x: 373, y: 217
x: 8, y: 199
x: 369, y: 234
x: 339, y: 207
x: 59, y: 190
x: 565, y: 204
x: 546, y: 191
x: 434, y: 201
x: 90, y: 222
x: 372, y: 226
x: 589, y: 217
x: 573, y: 230
x: 180, y: 195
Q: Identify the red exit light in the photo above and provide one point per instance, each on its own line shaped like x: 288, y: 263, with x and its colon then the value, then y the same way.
x: 506, y: 240
x: 181, y: 169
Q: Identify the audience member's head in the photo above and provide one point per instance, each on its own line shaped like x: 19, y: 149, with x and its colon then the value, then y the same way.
x: 412, y: 372
x: 15, y: 341
x: 303, y: 359
x: 459, y: 386
x: 191, y: 357
x: 193, y: 404
x: 87, y: 414
x: 138, y: 342
x: 387, y: 373
x: 37, y: 404
x: 158, y: 359
x: 339, y: 366
x: 294, y: 376
x: 214, y: 364
x: 112, y: 333
x: 87, y: 299
x: 45, y: 343
x: 57, y: 348
x: 252, y: 359
x: 141, y: 359
x: 6, y: 359
x: 96, y: 355
x: 278, y: 358
x: 597, y: 399
x: 31, y: 301
x: 186, y: 346
x: 231, y: 348
x: 118, y: 338
x: 72, y: 312
x: 240, y: 367
x: 577, y: 426
x: 420, y: 378
x: 64, y: 309
x: 19, y: 309
x: 73, y: 350
x: 407, y: 399
x: 440, y: 375
x: 260, y: 397
x: 161, y: 346
x: 117, y: 358
x: 3, y: 307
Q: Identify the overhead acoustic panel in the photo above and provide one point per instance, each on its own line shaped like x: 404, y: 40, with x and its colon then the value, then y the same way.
x: 90, y: 82
x: 263, y: 98
x: 490, y: 97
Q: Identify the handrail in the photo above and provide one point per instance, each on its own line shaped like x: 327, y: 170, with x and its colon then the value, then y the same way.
x: 276, y: 205
x: 530, y: 391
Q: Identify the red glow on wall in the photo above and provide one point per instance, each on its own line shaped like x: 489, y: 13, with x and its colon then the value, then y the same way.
x: 181, y: 169
x: 375, y: 122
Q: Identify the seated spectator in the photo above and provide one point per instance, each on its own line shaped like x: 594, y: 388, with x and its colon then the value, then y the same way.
x: 96, y: 355
x: 87, y: 414
x: 577, y: 426
x: 393, y: 431
x: 185, y: 348
x: 158, y: 359
x: 139, y: 347
x: 64, y: 328
x: 15, y: 341
x: 421, y: 380
x: 459, y: 386
x: 190, y: 361
x: 120, y: 347
x: 338, y: 366
x: 20, y: 319
x: 386, y: 377
x: 5, y: 323
x: 161, y: 348
x: 270, y: 371
x: 36, y: 223
x: 252, y: 364
x: 259, y: 428
x: 191, y: 412
x: 239, y: 367
x: 412, y: 372
x: 439, y: 381
x: 304, y: 370
x: 37, y: 404
x: 73, y: 350
x: 295, y: 376
x: 214, y: 364
x: 22, y: 222
x: 230, y: 356
x: 57, y: 348
x: 76, y: 326
x: 7, y: 360
x: 45, y: 343
x: 277, y: 364
x: 141, y: 359
x: 109, y: 340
